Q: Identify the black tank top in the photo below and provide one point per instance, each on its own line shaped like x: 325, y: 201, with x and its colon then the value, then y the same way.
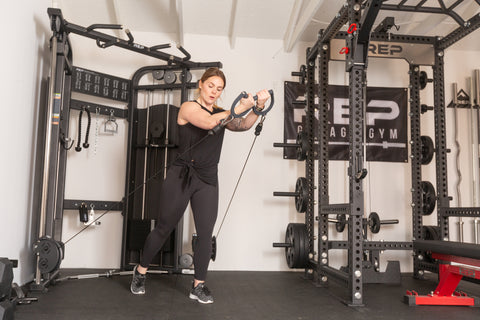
x: 200, y: 157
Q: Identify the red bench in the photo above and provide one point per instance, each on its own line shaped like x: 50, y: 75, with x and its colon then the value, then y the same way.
x: 446, y: 252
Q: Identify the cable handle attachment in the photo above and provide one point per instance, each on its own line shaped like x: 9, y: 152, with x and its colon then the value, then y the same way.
x: 221, y: 125
x: 243, y: 95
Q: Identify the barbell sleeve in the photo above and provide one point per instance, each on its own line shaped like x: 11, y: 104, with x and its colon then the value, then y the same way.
x: 392, y: 221
x: 286, y: 145
x: 281, y: 245
x: 285, y: 194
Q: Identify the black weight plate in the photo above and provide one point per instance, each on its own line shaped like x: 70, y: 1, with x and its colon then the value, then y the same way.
x: 301, y: 199
x: 374, y: 222
x: 341, y: 222
x: 297, y: 253
x: 423, y: 79
x: 50, y: 254
x: 428, y: 198
x: 290, y: 250
x: 431, y: 233
x: 188, y: 76
x: 169, y: 77
x: 302, y: 140
x: 214, y: 248
x: 427, y: 149
x: 213, y: 256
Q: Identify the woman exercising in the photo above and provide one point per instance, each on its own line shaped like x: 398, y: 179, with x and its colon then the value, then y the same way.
x: 193, y: 177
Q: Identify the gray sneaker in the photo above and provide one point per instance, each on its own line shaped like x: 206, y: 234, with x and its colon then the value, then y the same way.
x: 201, y: 293
x: 138, y: 282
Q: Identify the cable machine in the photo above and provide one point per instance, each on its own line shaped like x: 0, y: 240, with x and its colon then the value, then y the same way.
x: 66, y: 78
x: 354, y: 46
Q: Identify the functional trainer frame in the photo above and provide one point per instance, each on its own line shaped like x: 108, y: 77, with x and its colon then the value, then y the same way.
x: 358, y: 43
x: 53, y: 146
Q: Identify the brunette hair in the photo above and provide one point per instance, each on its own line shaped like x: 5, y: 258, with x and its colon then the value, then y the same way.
x: 212, y: 72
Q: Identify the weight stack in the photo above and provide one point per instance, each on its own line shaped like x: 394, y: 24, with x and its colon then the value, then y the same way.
x: 148, y: 161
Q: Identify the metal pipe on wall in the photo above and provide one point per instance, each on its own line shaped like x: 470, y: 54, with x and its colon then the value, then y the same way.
x: 474, y: 153
x: 169, y: 93
x: 149, y: 103
x: 457, y: 158
x: 46, y: 157
x: 475, y: 99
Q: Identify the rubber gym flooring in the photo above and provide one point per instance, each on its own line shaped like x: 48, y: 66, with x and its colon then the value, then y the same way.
x: 238, y: 295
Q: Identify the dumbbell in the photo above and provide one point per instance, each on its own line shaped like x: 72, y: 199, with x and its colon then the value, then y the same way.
x: 373, y: 222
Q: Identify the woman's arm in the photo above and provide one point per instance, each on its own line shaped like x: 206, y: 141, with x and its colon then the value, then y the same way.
x: 191, y: 112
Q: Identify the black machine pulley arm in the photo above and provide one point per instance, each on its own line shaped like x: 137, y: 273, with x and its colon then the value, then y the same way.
x: 104, y: 26
x: 103, y: 40
x: 168, y: 45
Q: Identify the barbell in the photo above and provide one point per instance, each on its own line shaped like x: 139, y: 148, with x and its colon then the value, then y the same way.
x: 373, y: 222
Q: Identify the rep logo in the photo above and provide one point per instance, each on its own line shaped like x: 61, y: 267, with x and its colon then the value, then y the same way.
x: 377, y: 110
x: 384, y: 49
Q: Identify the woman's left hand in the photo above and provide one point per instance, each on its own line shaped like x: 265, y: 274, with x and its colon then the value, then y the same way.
x: 262, y: 97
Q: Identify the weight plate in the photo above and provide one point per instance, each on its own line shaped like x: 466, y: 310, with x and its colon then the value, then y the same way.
x: 427, y: 149
x: 301, y: 198
x: 214, y: 248
x: 50, y: 254
x: 188, y: 76
x: 341, y: 222
x: 169, y: 77
x: 296, y: 253
x: 158, y: 74
x: 423, y: 79
x: 302, y: 141
x: 431, y: 233
x: 428, y: 198
x: 185, y: 260
x: 213, y: 256
x: 374, y: 222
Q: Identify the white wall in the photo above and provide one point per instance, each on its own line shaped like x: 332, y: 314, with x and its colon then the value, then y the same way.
x: 256, y: 218
x: 24, y: 62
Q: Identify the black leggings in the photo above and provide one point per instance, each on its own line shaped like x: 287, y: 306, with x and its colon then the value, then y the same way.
x: 175, y: 194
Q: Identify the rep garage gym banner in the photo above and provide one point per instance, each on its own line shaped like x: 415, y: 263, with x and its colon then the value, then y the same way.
x: 385, y: 121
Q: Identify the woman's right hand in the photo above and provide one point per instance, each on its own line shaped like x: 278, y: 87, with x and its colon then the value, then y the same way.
x: 245, y: 104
